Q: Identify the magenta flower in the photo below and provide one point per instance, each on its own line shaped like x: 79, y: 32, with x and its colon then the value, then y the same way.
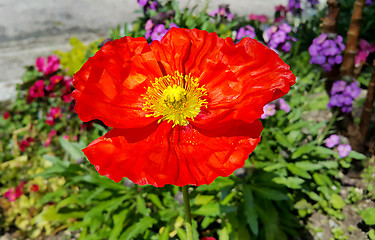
x: 12, y: 194
x: 51, y: 66
x: 55, y: 113
x: 344, y: 150
x: 36, y: 90
x: 332, y: 141
x: 364, y: 50
x: 49, y: 139
x: 261, y: 18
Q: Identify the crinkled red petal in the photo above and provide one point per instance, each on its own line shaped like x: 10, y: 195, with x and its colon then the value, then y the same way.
x: 159, y: 154
x: 109, y: 86
x: 239, y: 78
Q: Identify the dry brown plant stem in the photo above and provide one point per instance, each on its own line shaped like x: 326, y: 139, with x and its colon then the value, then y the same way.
x: 332, y: 14
x: 367, y: 107
x: 347, y: 66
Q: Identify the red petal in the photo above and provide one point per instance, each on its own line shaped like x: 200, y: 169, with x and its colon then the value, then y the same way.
x: 160, y: 154
x: 248, y: 76
x: 110, y: 84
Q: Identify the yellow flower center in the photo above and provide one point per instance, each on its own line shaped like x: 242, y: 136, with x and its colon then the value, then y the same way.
x: 176, y: 98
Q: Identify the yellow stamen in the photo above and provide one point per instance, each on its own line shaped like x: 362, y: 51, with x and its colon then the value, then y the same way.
x: 176, y: 98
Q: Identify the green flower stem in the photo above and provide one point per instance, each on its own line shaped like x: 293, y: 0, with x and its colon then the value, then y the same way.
x: 189, y: 229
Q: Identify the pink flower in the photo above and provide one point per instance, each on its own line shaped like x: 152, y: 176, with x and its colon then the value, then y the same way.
x: 36, y: 90
x: 6, y: 115
x: 208, y: 238
x: 344, y: 150
x: 51, y: 66
x: 269, y: 110
x: 261, y: 18
x: 364, y: 50
x: 283, y: 105
x: 54, y: 113
x: 49, y: 139
x: 12, y: 194
x: 34, y: 188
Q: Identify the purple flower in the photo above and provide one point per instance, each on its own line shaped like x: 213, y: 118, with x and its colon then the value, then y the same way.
x: 332, y: 141
x: 247, y: 31
x: 344, y: 150
x: 326, y: 51
x: 158, y: 32
x: 268, y: 110
x: 313, y: 3
x: 338, y: 86
x: 283, y: 105
x: 352, y: 90
x: 223, y: 11
x: 278, y: 37
x: 294, y: 6
x: 368, y: 2
x: 142, y: 3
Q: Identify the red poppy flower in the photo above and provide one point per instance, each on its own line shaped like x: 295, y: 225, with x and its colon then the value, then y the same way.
x: 184, y: 110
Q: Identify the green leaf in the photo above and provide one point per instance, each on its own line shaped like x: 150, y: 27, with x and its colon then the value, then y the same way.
x: 269, y: 193
x: 223, y: 234
x: 337, y: 201
x: 213, y: 209
x: 118, y: 221
x: 330, y: 164
x: 290, y: 182
x: 302, y: 150
x: 368, y: 216
x: 138, y: 228
x: 323, y: 151
x: 74, y: 149
x: 141, y: 206
x: 250, y: 211
x: 155, y: 200
x: 282, y: 139
x: 206, y: 222
x: 203, y: 199
x: 298, y: 171
x: 165, y: 234
x: 309, y: 166
x: 356, y: 155
x: 216, y: 185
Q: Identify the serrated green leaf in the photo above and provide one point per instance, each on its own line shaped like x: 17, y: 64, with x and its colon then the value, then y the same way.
x: 155, y: 200
x: 138, y: 228
x: 141, y: 206
x: 118, y: 221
